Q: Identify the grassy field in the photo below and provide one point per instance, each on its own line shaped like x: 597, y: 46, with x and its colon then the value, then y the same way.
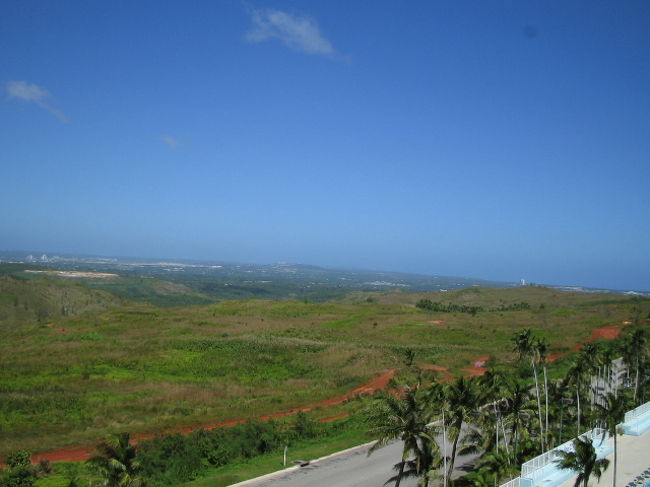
x: 109, y: 365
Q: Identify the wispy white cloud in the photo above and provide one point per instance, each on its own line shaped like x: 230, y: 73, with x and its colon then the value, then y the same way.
x: 300, y: 33
x: 170, y: 140
x: 26, y: 91
x: 31, y: 93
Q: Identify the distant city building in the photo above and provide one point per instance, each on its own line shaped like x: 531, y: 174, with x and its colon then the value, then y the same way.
x: 29, y: 258
x: 522, y: 282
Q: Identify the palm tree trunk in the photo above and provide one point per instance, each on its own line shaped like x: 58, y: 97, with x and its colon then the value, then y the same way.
x: 515, y: 438
x: 444, y: 447
x: 636, y: 380
x: 539, y: 408
x: 401, y: 472
x: 496, y: 414
x: 546, y: 398
x: 578, y: 403
x: 505, y: 437
x: 615, y: 459
x: 453, y: 452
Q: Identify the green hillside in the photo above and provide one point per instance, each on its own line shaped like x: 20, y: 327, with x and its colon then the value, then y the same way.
x: 80, y: 363
x: 24, y: 301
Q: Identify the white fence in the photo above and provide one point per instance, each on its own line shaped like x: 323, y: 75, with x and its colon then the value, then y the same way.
x: 635, y: 413
x: 528, y: 468
x: 513, y: 483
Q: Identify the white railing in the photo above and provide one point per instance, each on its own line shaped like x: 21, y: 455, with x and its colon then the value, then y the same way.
x: 598, y: 436
x: 529, y: 468
x: 635, y: 413
x: 512, y: 483
x: 538, y: 462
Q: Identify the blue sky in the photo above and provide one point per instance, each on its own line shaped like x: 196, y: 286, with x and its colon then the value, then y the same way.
x: 493, y: 139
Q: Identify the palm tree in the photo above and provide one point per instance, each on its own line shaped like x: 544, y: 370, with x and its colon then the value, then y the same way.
x: 591, y: 356
x: 516, y: 407
x: 583, y: 460
x: 633, y: 353
x: 422, y: 466
x: 576, y: 376
x: 462, y: 399
x: 541, y: 347
x: 494, y: 382
x: 608, y: 354
x: 477, y: 478
x: 498, y: 464
x: 117, y: 462
x: 525, y: 346
x: 405, y: 418
x: 611, y: 415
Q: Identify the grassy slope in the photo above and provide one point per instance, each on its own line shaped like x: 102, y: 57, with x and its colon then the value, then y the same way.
x: 152, y: 290
x: 39, y: 300
x: 144, y: 369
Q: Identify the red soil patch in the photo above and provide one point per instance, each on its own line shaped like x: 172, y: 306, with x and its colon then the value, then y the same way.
x: 333, y: 418
x: 608, y: 332
x: 446, y: 376
x: 437, y: 322
x: 71, y: 454
x: 474, y: 371
x: 478, y: 369
x: 369, y: 388
x: 481, y: 361
x: 437, y: 368
x: 554, y: 356
x: 83, y: 452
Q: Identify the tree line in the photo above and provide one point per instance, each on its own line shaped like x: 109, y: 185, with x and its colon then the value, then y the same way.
x: 439, y: 307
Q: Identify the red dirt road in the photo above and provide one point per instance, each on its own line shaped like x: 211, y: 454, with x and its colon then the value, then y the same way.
x: 83, y: 452
x: 70, y: 454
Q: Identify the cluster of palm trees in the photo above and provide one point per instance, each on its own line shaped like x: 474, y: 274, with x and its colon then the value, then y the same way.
x: 505, y: 419
x: 464, y: 416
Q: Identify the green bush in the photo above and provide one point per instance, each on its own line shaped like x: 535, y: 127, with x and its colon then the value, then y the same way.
x: 174, y: 459
x: 19, y: 472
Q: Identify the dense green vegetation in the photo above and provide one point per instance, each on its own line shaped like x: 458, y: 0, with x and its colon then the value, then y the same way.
x: 448, y: 307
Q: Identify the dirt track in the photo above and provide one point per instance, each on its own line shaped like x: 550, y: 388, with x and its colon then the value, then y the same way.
x: 83, y: 452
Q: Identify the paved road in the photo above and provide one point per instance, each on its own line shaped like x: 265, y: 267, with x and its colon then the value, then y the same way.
x: 351, y: 469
